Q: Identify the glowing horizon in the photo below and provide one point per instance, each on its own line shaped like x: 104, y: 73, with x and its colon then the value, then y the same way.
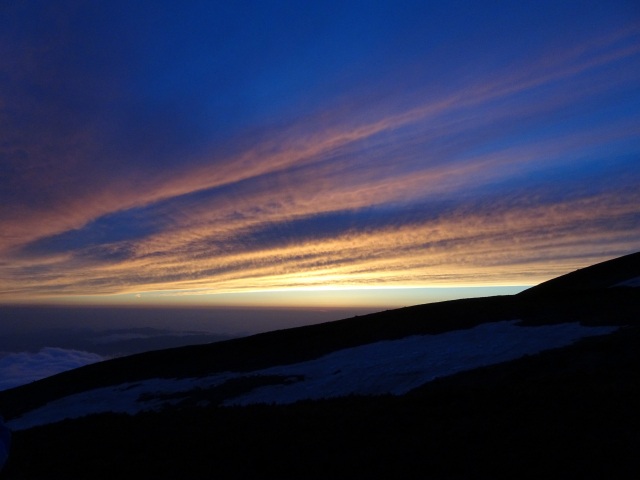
x: 330, y: 298
x: 393, y: 162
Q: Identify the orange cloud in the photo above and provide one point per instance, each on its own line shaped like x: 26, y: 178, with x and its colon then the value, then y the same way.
x: 465, y: 247
x: 342, y: 161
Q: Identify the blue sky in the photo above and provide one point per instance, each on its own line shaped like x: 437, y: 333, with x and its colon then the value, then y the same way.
x: 290, y: 153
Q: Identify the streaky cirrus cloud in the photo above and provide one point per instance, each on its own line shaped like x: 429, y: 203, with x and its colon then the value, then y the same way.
x: 302, y: 146
x: 505, y: 163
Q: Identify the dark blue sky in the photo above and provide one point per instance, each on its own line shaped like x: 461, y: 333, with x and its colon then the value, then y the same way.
x: 246, y: 153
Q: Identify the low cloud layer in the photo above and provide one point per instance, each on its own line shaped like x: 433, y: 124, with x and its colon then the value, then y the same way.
x: 101, y: 340
x: 25, y: 367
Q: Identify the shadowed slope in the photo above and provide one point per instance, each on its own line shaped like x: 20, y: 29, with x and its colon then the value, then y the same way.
x: 262, y: 350
x: 568, y: 412
x: 601, y: 275
x: 602, y: 306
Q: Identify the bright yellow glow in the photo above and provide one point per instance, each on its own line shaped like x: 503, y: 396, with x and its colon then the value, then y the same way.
x: 224, y: 228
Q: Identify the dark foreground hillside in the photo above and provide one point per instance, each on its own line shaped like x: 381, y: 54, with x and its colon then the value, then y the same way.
x: 598, y: 307
x: 570, y: 413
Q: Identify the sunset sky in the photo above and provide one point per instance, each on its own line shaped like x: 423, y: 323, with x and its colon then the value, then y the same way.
x: 285, y: 153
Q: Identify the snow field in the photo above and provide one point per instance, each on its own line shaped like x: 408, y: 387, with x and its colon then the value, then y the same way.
x: 393, y: 366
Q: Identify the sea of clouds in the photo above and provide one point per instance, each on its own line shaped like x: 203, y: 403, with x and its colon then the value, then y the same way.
x: 25, y: 367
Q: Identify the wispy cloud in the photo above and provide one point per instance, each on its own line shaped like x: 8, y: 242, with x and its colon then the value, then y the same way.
x: 508, y: 241
x: 498, y: 179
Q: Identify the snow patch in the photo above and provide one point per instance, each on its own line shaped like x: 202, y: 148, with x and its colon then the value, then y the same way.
x: 632, y: 282
x: 128, y: 398
x: 398, y: 366
x: 393, y: 366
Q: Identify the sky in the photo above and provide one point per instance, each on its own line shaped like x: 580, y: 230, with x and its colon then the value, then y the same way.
x: 292, y: 153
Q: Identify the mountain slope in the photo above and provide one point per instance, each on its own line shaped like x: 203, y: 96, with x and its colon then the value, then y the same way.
x: 538, y: 306
x: 568, y: 413
x: 307, y: 343
x: 568, y: 410
x: 612, y: 273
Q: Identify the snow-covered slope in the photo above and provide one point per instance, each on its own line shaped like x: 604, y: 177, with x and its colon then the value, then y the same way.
x: 386, y: 367
x: 632, y: 282
x: 567, y: 406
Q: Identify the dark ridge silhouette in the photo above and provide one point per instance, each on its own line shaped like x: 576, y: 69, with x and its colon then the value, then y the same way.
x: 601, y: 275
x: 604, y: 306
x: 568, y: 412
